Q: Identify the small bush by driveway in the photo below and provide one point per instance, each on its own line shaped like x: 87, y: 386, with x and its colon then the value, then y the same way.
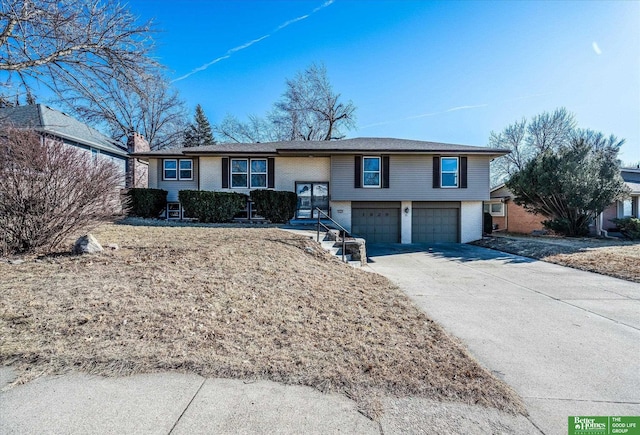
x: 617, y: 258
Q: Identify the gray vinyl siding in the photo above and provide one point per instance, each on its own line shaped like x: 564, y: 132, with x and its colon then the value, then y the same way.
x: 174, y: 186
x: 410, y: 179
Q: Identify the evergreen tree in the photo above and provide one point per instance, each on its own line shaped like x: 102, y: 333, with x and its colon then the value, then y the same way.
x: 571, y: 183
x: 199, y: 132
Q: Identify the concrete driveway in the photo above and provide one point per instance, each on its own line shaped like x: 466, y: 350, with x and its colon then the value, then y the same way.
x: 567, y: 341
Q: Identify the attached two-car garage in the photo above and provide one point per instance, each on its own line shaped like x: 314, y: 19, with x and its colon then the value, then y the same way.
x: 431, y: 222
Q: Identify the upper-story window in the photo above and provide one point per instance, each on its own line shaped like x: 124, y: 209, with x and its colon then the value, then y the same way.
x: 247, y: 173
x: 239, y: 172
x: 186, y: 169
x: 449, y: 172
x: 258, y: 173
x: 371, y: 171
x: 177, y: 169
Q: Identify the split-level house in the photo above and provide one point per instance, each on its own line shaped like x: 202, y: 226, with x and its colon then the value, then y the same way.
x: 385, y: 190
x: 54, y: 125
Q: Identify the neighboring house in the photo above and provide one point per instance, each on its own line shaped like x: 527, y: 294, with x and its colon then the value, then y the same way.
x: 55, y: 125
x: 508, y: 216
x: 385, y: 190
x: 628, y: 207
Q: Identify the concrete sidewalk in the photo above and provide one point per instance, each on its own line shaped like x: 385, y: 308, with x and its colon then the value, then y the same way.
x: 170, y: 403
x: 166, y: 403
x: 568, y: 341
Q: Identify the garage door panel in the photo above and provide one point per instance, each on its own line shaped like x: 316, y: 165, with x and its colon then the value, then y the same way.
x: 376, y: 225
x: 432, y: 225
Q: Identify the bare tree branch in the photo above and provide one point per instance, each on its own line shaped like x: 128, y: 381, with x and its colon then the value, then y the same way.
x: 58, y: 44
x: 308, y: 110
x: 149, y: 107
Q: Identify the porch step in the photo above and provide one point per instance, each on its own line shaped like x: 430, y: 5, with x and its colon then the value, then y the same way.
x: 327, y: 244
x: 338, y: 254
x: 335, y: 248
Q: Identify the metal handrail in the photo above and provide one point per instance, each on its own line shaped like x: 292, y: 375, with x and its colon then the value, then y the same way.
x: 343, y: 230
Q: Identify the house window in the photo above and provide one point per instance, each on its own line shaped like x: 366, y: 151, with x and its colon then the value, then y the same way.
x: 371, y: 171
x: 170, y: 169
x: 258, y: 173
x: 186, y: 169
x: 449, y: 172
x: 239, y: 172
x: 627, y: 208
x: 249, y: 173
x: 494, y: 208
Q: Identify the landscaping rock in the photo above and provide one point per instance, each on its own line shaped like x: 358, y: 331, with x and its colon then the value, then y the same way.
x: 87, y: 245
x: 357, y: 249
x: 16, y: 261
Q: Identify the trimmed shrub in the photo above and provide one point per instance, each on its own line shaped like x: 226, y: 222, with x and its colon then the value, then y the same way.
x: 145, y: 203
x: 215, y: 207
x: 278, y: 206
x: 629, y: 227
x: 487, y: 223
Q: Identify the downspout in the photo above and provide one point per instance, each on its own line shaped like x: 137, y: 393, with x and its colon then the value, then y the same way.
x: 506, y: 214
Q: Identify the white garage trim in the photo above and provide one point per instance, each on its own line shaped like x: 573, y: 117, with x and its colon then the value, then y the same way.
x: 470, y: 221
x: 341, y: 213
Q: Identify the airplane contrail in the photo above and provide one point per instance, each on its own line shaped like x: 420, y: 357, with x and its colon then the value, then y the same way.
x: 246, y: 45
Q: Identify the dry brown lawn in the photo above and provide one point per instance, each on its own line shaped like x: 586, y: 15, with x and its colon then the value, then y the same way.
x: 249, y: 303
x: 617, y: 258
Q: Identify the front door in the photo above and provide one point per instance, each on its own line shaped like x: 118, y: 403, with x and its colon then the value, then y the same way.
x: 310, y: 197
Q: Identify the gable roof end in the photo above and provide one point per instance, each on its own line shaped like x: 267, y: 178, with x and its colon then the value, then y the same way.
x: 47, y: 120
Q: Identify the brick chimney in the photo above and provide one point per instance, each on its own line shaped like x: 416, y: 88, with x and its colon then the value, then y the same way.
x: 137, y: 170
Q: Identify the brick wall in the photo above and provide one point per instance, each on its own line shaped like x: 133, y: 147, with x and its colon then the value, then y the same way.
x: 520, y: 220
x: 609, y: 213
x: 137, y: 170
x: 498, y: 220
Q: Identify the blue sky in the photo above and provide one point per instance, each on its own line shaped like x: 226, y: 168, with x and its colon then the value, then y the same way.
x: 437, y: 71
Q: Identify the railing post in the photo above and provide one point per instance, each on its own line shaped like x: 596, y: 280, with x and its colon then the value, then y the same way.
x: 343, y: 245
x: 318, y: 228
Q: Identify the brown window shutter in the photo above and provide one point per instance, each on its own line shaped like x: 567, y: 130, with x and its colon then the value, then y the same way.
x: 385, y: 172
x: 436, y: 172
x: 225, y: 172
x: 271, y: 174
x: 357, y: 180
x: 463, y: 172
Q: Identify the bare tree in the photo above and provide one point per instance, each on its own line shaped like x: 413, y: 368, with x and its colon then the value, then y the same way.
x: 66, y: 44
x: 256, y: 129
x: 525, y: 140
x: 148, y: 106
x: 308, y: 110
x: 50, y: 190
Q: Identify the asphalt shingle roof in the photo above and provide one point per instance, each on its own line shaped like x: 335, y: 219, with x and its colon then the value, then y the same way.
x: 358, y: 145
x: 48, y: 120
